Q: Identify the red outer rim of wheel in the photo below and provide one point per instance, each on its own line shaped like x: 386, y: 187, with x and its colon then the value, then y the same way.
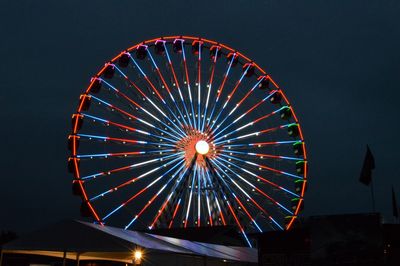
x: 190, y: 38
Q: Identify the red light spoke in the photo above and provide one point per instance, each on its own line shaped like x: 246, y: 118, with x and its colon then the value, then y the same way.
x: 174, y: 214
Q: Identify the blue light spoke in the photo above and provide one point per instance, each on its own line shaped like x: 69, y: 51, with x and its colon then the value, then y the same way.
x: 181, y: 133
x: 136, y: 118
x: 131, y: 166
x: 188, y: 85
x: 158, y: 192
x: 152, y: 103
x: 169, y: 91
x: 134, y: 180
x: 178, y: 86
x: 258, y: 165
x: 210, y: 122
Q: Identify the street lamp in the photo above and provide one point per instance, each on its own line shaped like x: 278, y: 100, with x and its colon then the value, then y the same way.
x: 137, y: 257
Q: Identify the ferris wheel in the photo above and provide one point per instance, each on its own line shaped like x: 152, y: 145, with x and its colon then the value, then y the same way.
x: 186, y: 132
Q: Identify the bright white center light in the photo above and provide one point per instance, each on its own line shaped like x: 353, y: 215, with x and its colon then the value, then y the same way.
x: 202, y: 147
x: 138, y: 255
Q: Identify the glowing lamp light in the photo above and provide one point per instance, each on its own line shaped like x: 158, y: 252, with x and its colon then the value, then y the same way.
x: 137, y: 256
x: 202, y: 147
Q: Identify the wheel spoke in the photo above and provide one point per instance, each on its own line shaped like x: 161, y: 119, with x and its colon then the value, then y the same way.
x: 131, y: 101
x: 220, y: 89
x: 241, y: 116
x: 166, y: 87
x: 219, y: 165
x: 229, y: 98
x: 156, y: 195
x: 187, y: 82
x: 177, y: 84
x: 130, y: 117
x: 255, y: 133
x: 151, y: 102
x: 129, y: 167
x: 230, y: 206
x: 209, y: 86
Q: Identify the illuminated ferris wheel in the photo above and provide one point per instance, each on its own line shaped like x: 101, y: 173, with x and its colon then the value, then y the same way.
x: 186, y: 132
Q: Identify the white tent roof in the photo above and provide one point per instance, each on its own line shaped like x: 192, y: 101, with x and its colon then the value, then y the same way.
x: 92, y: 241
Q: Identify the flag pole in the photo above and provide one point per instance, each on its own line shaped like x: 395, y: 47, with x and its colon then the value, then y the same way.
x: 372, y: 195
x: 366, y: 174
x: 395, y: 209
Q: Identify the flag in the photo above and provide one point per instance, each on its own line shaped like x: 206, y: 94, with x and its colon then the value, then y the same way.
x: 394, y: 205
x: 368, y: 166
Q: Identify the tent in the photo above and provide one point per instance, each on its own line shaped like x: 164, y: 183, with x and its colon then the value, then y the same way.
x: 79, y: 241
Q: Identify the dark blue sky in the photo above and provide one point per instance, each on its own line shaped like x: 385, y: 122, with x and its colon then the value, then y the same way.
x: 338, y: 62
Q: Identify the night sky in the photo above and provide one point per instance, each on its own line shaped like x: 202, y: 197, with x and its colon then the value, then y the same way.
x: 337, y: 61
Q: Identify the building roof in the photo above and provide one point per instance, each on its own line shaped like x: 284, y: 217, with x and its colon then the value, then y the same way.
x: 92, y: 241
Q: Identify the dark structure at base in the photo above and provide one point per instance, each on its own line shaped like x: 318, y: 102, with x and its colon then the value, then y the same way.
x: 351, y: 239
